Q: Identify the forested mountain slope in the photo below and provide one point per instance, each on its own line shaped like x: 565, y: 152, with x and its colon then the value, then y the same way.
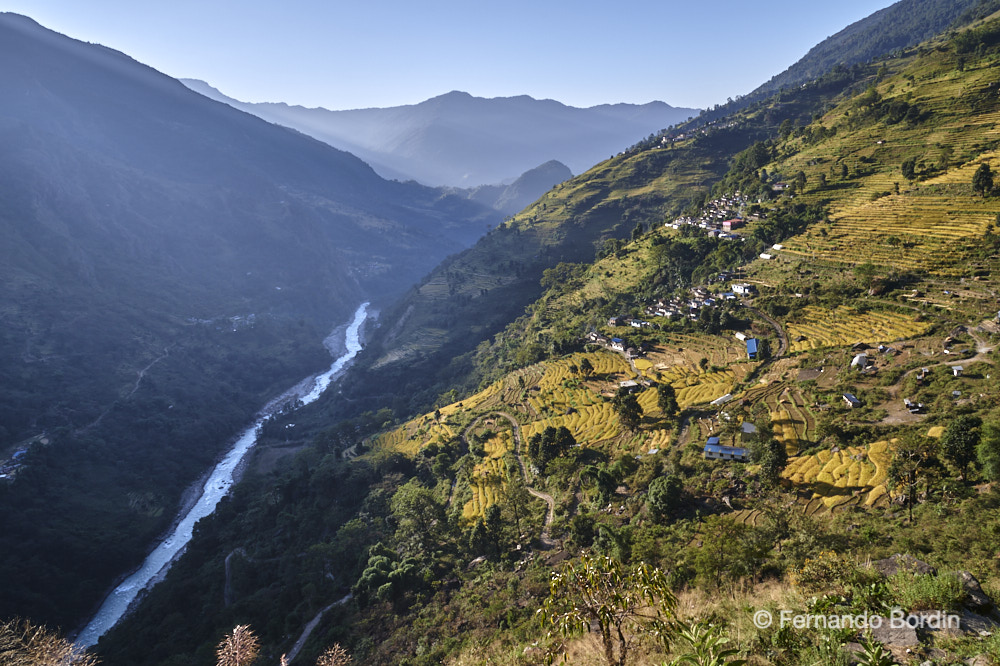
x: 168, y: 265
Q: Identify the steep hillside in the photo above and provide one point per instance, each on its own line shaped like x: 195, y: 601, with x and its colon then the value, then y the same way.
x: 464, y: 141
x: 867, y: 413
x: 897, y: 164
x: 423, y: 343
x: 899, y: 26
x: 168, y: 265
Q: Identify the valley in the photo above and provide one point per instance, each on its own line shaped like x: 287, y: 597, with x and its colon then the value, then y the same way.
x: 741, y: 370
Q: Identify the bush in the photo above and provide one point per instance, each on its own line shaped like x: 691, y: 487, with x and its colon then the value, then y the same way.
x: 927, y: 592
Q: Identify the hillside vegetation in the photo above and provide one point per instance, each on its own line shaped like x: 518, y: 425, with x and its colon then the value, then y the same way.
x: 472, y: 526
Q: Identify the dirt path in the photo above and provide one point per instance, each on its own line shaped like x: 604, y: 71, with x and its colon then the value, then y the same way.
x: 308, y: 629
x: 545, y: 537
x: 778, y: 330
x: 141, y: 373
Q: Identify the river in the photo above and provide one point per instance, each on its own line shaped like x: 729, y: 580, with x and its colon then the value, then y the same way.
x: 215, y: 488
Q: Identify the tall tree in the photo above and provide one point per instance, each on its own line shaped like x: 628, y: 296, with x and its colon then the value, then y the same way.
x: 664, y: 496
x: 959, y: 442
x: 982, y: 180
x: 666, y: 399
x: 420, y: 517
x: 912, y: 454
x: 628, y: 409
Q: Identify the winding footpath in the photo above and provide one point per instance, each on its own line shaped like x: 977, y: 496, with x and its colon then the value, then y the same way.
x: 307, y: 631
x: 547, y: 541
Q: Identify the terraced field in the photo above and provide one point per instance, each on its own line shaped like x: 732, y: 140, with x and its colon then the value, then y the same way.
x: 920, y: 225
x: 855, y: 475
x: 489, y: 476
x: 786, y: 430
x: 816, y: 328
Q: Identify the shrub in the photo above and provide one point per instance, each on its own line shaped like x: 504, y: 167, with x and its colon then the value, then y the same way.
x: 927, y: 592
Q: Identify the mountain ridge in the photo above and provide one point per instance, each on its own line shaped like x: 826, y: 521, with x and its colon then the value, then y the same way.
x: 442, y: 140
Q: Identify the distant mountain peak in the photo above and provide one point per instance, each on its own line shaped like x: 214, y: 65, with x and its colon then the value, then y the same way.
x: 457, y: 139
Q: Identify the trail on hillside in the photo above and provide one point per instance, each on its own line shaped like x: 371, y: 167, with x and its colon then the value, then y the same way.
x: 547, y: 541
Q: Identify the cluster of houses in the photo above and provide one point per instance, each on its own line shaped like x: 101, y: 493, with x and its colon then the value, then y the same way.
x: 616, y: 344
x: 689, y: 306
x: 720, y: 217
x: 10, y: 467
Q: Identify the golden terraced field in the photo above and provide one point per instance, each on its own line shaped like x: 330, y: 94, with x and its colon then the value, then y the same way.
x: 852, y: 474
x: 820, y: 327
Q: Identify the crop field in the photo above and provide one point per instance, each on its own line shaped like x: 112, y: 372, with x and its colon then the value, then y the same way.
x: 820, y: 327
x: 929, y: 216
x: 688, y: 350
x: 414, y: 435
x: 657, y: 440
x: 696, y: 386
x: 589, y: 425
x: 854, y: 474
x: 785, y: 430
x: 489, y: 476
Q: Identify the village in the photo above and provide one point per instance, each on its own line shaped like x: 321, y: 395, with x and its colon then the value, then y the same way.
x: 719, y: 217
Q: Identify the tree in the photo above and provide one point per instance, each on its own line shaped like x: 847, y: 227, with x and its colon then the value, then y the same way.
x: 586, y: 367
x: 603, y: 479
x: 419, y: 516
x: 486, y: 536
x: 623, y: 602
x: 730, y: 550
x: 25, y: 644
x: 865, y: 274
x: 628, y: 409
x: 911, y: 455
x: 982, y: 180
x: 800, y: 181
x: 959, y: 442
x: 666, y: 399
x: 550, y: 444
x: 386, y: 578
x: 239, y: 648
x: 664, y: 496
x: 335, y: 655
x: 909, y: 168
x: 768, y: 452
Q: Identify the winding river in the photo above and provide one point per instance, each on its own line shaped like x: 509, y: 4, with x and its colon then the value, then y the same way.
x: 216, y: 487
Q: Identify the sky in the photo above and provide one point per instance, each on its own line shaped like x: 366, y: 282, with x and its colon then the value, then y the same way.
x: 379, y: 53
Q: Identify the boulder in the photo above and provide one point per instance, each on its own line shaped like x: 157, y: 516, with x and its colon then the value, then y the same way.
x: 893, y: 565
x: 891, y: 636
x: 977, y: 624
x: 975, y: 598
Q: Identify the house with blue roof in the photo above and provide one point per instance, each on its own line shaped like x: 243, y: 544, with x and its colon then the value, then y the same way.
x: 716, y: 451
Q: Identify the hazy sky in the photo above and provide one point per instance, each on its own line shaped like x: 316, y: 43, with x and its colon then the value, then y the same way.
x: 368, y: 53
